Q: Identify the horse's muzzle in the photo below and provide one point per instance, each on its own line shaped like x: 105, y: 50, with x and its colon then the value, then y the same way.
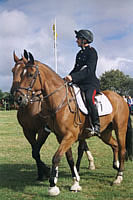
x: 21, y: 100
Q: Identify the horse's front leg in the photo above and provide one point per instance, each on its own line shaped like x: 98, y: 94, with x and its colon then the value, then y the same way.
x: 43, y: 169
x: 65, y: 145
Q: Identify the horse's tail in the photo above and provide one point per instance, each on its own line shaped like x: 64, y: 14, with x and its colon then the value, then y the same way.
x: 129, y: 140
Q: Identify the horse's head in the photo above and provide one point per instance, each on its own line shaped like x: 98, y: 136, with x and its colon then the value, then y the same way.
x: 38, y: 79
x: 18, y: 71
x: 29, y: 84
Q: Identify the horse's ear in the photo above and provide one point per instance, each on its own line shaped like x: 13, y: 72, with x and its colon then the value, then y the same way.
x: 24, y: 60
x: 31, y: 58
x: 25, y: 54
x: 16, y: 59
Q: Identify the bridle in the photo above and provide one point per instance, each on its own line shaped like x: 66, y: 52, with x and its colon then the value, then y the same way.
x: 29, y: 88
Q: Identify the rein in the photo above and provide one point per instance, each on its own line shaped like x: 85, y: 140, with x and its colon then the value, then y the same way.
x: 46, y: 96
x: 77, y: 119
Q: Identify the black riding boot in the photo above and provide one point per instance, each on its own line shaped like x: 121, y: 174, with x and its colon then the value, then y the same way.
x: 95, y: 121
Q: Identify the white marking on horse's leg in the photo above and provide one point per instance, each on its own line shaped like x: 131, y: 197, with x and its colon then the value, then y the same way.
x: 76, y: 173
x: 117, y: 164
x: 119, y: 178
x: 56, y: 176
x: 76, y: 187
x: 91, y: 160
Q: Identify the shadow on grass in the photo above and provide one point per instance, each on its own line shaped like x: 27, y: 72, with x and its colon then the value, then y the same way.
x: 17, y: 176
x: 99, y: 175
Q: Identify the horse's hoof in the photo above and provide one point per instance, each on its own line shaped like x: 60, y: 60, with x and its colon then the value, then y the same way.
x: 53, y: 191
x: 118, y: 180
x: 76, y: 187
x: 91, y: 167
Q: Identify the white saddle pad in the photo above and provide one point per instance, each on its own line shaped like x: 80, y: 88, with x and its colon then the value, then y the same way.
x: 102, y: 102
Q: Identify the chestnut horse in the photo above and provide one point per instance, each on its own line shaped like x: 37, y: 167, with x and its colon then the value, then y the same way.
x: 59, y: 106
x: 30, y: 120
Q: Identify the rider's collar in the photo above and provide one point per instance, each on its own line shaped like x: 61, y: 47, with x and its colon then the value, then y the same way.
x: 85, y: 47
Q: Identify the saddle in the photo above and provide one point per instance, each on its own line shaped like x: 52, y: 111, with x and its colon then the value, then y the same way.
x: 103, y: 104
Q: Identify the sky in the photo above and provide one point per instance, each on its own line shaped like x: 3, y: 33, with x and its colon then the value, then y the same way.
x: 27, y: 24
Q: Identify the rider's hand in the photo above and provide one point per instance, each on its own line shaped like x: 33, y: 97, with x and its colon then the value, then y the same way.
x: 68, y: 78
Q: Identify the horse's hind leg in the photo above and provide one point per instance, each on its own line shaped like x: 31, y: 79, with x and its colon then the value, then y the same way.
x: 89, y: 156
x: 107, y: 138
x: 121, y: 137
x: 65, y: 145
x: 81, y: 149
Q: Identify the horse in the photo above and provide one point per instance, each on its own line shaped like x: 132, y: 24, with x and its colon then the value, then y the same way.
x: 30, y: 120
x: 59, y: 107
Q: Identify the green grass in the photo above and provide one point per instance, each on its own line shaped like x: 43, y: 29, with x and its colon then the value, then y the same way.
x: 18, y: 170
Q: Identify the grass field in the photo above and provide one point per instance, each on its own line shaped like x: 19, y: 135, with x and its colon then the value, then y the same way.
x: 18, y: 170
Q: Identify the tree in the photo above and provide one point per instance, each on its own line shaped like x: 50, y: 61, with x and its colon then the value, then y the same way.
x: 1, y: 94
x: 6, y: 101
x: 115, y: 80
x: 131, y: 87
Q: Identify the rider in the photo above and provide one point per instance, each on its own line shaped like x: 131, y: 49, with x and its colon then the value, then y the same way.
x: 83, y: 74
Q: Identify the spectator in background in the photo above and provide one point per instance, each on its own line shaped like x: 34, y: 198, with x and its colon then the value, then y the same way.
x: 129, y: 102
x: 124, y: 97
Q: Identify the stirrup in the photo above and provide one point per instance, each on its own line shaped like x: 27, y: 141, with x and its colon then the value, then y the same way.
x: 93, y: 132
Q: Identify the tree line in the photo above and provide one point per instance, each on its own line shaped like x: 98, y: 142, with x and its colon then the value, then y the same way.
x: 117, y: 81
x: 6, y: 101
x: 114, y: 80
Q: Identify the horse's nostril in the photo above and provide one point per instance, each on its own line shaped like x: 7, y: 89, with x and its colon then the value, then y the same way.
x: 19, y: 99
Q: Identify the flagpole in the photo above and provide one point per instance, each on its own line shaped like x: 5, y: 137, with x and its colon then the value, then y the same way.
x: 55, y: 44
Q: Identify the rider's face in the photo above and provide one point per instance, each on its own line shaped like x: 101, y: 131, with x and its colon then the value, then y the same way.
x: 79, y: 42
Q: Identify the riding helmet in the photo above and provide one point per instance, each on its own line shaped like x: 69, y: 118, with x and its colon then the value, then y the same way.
x: 85, y: 34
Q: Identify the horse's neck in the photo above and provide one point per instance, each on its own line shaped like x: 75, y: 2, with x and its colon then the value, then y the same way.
x: 52, y: 80
x: 53, y: 86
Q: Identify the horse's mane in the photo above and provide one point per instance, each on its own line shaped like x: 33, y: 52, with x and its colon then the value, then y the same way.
x: 49, y: 69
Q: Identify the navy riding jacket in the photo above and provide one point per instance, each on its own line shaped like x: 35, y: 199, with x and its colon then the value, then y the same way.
x: 83, y: 73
